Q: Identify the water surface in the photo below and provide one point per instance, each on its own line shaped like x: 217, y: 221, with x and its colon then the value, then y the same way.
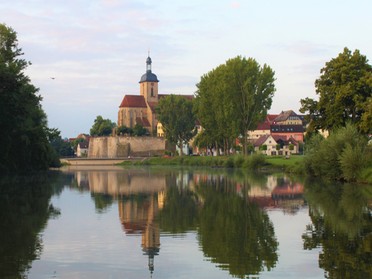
x: 158, y: 223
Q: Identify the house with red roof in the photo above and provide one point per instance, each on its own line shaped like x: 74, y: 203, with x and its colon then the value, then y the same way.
x: 276, y: 145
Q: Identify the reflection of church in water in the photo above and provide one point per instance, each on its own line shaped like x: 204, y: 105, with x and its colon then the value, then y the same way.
x: 137, y: 217
x: 140, y: 197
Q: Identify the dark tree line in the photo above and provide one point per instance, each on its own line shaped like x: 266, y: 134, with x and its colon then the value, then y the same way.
x: 24, y: 144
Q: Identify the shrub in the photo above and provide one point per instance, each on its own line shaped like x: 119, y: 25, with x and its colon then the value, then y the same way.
x: 239, y: 160
x: 229, y: 163
x: 338, y: 156
x: 352, y: 162
x: 254, y: 161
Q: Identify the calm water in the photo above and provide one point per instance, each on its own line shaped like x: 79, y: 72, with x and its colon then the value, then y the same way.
x: 157, y: 223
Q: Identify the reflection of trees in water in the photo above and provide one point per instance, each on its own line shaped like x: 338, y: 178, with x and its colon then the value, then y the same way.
x: 180, y: 211
x: 234, y: 233
x: 24, y: 210
x: 342, y: 226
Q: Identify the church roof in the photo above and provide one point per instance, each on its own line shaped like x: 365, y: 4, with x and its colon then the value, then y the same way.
x: 133, y: 101
x: 143, y: 121
x: 149, y: 76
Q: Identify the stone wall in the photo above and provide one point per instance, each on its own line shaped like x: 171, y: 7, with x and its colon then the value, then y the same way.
x: 117, y: 147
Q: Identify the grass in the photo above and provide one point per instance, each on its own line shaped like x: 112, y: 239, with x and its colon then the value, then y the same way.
x: 292, y: 164
x: 255, y: 161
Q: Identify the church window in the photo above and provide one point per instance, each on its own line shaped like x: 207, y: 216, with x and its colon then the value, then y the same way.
x: 152, y: 92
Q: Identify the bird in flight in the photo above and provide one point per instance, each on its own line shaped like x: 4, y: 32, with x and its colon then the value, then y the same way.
x: 52, y: 77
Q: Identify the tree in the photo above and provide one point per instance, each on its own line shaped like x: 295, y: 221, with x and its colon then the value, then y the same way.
x: 23, y: 143
x: 139, y: 130
x: 176, y: 115
x: 124, y: 130
x: 342, y: 156
x: 102, y: 127
x: 213, y: 110
x: 234, y: 97
x: 62, y: 147
x: 345, y: 90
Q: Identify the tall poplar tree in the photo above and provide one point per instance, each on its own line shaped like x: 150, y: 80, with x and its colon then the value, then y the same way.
x: 24, y: 144
x: 232, y: 98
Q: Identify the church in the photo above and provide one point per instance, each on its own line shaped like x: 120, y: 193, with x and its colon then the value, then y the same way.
x: 140, y: 109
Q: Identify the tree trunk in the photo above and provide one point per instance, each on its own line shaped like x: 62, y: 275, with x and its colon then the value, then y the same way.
x: 180, y: 147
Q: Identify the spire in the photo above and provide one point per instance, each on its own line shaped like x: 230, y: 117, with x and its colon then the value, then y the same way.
x: 149, y: 76
x: 148, y: 63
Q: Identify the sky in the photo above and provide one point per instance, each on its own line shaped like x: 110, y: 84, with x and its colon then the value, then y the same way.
x: 87, y: 54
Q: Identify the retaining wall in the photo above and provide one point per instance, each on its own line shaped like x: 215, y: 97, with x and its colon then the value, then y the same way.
x: 119, y: 147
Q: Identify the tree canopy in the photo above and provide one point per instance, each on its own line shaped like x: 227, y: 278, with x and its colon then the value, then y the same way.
x: 102, y: 127
x: 232, y: 98
x: 175, y: 113
x: 24, y: 144
x: 345, y: 93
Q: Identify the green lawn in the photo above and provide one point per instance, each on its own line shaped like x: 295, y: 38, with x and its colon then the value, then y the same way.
x: 281, y: 161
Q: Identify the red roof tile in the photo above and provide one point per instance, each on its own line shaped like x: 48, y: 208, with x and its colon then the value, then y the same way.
x: 144, y: 122
x: 133, y: 101
x: 261, y: 140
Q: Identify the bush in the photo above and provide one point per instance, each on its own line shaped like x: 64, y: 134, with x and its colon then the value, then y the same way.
x: 340, y: 156
x: 254, y: 161
x: 352, y: 162
x: 239, y: 160
x: 229, y: 163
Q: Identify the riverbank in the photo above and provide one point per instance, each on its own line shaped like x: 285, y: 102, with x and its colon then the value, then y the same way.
x: 293, y: 164
x: 255, y: 161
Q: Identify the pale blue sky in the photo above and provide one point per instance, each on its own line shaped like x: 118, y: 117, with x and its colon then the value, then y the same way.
x: 96, y: 50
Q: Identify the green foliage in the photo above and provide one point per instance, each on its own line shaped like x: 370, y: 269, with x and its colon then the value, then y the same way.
x: 124, y: 130
x: 63, y: 148
x: 341, y: 156
x: 139, y: 131
x: 345, y: 92
x: 254, y: 161
x: 352, y: 161
x: 232, y: 98
x: 234, y: 232
x: 102, y: 127
x: 23, y: 143
x: 176, y: 115
x: 263, y: 147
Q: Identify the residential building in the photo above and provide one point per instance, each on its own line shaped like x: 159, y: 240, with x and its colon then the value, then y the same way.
x: 276, y: 145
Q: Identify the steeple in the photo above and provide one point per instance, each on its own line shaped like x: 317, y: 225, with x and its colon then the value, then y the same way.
x: 148, y: 64
x: 148, y: 76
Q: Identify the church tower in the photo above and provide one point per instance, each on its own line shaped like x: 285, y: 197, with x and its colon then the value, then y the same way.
x: 149, y: 84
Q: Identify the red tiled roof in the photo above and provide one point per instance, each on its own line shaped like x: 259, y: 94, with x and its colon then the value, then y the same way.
x: 271, y: 117
x: 265, y: 125
x: 144, y: 122
x: 261, y: 140
x: 133, y: 101
x: 152, y: 106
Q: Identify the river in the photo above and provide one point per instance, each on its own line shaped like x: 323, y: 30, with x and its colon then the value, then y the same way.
x: 110, y: 222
